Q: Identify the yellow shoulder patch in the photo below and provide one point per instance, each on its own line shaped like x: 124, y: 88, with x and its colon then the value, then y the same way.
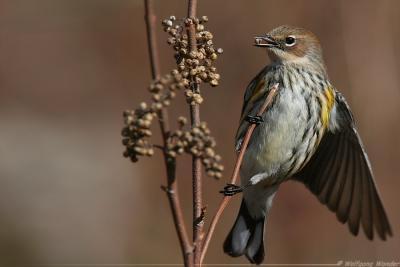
x: 327, y: 105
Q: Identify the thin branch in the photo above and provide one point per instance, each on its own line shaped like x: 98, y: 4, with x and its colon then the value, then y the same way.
x: 172, y: 187
x: 150, y: 19
x: 192, y: 8
x: 226, y: 199
x: 198, y: 214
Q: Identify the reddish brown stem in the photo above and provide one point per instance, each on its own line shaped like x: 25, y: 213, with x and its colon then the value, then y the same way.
x: 198, y: 222
x: 226, y: 199
x: 172, y: 187
x: 150, y: 19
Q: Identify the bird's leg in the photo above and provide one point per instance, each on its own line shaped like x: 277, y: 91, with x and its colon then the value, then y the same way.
x: 231, y: 189
x: 254, y: 119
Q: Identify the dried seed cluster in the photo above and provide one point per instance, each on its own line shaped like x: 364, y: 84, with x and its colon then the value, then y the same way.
x: 194, y: 66
x: 164, y: 90
x: 136, y: 129
x: 197, y: 142
x: 138, y: 122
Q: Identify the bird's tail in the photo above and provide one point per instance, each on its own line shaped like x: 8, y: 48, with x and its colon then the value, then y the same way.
x: 246, y: 237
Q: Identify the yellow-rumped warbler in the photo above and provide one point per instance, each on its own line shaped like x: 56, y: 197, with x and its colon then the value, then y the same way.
x: 307, y: 134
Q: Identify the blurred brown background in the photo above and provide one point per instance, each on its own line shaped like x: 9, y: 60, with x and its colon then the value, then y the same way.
x: 67, y: 70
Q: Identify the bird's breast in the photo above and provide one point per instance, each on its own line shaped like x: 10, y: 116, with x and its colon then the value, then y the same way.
x: 284, y: 140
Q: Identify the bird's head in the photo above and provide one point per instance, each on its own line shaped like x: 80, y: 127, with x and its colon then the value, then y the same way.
x: 288, y: 44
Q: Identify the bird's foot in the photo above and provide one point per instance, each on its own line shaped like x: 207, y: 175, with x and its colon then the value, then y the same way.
x: 231, y: 189
x: 254, y: 119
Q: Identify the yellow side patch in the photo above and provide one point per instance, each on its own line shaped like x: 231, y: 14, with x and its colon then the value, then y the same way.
x: 327, y: 105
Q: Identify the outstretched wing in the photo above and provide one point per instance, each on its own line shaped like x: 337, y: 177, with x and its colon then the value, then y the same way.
x: 340, y: 175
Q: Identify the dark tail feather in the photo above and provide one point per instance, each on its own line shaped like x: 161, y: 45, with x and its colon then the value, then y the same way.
x: 236, y: 242
x: 246, y: 237
x: 255, y: 247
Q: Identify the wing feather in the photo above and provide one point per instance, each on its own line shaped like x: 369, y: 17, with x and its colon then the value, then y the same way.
x: 366, y: 218
x: 355, y: 208
x: 340, y: 175
x: 330, y: 172
x: 344, y: 202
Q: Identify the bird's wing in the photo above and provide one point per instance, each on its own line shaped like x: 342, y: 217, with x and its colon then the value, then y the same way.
x: 340, y: 175
x: 254, y: 92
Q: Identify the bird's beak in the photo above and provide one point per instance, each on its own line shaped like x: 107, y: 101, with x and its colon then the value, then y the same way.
x: 265, y: 41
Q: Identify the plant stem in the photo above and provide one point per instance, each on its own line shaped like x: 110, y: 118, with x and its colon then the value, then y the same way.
x: 170, y: 163
x: 226, y: 199
x: 198, y: 215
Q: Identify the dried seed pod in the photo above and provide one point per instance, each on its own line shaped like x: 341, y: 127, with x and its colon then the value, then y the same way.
x: 183, y: 51
x: 198, y: 99
x: 172, y: 94
x: 208, y: 35
x: 156, y: 97
x: 188, y: 21
x: 156, y: 106
x: 143, y: 106
x: 195, y: 62
x: 150, y: 152
x: 200, y: 56
x: 203, y: 76
x: 171, y: 40
x: 193, y: 72
x: 193, y: 54
x: 200, y: 27
x: 204, y: 18
x: 214, y: 82
x: 189, y: 93
x: 167, y: 23
x: 185, y: 82
x: 197, y: 80
x: 182, y: 121
x: 172, y: 154
x: 217, y: 175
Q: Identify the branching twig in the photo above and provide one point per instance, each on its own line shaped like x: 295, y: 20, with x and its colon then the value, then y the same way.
x: 243, y: 148
x: 196, y: 162
x: 172, y: 187
x: 194, y: 67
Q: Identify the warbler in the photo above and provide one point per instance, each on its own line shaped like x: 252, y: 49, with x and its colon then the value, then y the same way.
x: 307, y: 134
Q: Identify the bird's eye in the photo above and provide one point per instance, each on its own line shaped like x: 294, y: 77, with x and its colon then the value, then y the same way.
x: 290, y: 40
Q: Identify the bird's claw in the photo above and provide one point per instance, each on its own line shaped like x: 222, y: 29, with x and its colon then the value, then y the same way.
x: 231, y: 189
x: 254, y: 119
